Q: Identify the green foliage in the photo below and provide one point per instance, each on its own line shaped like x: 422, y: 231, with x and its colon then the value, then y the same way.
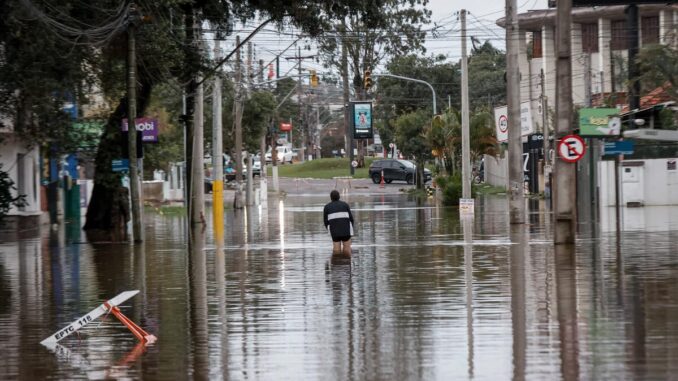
x: 322, y: 169
x: 486, y: 68
x: 483, y: 140
x: 259, y: 109
x: 658, y: 66
x: 452, y: 189
x: 667, y: 119
x: 7, y: 198
x: 410, y: 130
x: 164, y: 106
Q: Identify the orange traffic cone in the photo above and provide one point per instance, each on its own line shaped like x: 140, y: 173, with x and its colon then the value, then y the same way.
x: 381, y: 184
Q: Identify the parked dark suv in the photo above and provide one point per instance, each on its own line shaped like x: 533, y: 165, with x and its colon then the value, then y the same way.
x: 395, y: 170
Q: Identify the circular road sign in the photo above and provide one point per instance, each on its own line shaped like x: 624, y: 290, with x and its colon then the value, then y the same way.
x: 391, y: 145
x: 354, y: 164
x: 503, y: 124
x: 571, y: 148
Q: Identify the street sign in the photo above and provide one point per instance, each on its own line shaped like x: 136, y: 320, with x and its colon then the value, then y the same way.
x: 501, y: 121
x: 571, y: 148
x: 624, y: 147
x: 120, y: 165
x: 466, y: 207
x: 88, y: 318
x: 285, y: 127
x: 354, y: 164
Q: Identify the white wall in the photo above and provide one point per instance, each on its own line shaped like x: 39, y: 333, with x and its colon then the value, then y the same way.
x: 16, y: 156
x: 496, y: 171
x: 659, y: 185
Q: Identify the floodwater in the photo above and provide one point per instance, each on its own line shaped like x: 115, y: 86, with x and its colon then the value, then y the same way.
x: 426, y: 297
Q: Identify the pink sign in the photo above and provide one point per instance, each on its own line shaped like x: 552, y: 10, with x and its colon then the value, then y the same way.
x: 148, y: 128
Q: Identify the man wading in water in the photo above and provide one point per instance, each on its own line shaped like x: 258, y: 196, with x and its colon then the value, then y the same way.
x: 339, y: 221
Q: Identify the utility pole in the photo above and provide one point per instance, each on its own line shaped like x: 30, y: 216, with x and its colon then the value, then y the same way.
x: 263, y: 180
x: 300, y: 93
x: 632, y: 37
x: 516, y: 197
x: 238, y: 128
x: 344, y: 79
x: 249, y: 199
x: 137, y: 229
x: 587, y: 80
x: 197, y: 200
x: 465, y: 139
x: 545, y: 128
x: 217, y: 153
x: 564, y: 189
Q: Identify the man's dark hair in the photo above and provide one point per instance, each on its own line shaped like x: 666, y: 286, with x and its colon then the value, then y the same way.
x: 334, y: 195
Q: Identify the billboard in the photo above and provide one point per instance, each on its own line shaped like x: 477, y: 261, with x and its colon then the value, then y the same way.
x: 501, y: 121
x: 148, y: 128
x: 599, y: 122
x: 362, y: 120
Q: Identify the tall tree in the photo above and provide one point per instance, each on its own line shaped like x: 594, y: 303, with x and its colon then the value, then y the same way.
x: 411, y: 129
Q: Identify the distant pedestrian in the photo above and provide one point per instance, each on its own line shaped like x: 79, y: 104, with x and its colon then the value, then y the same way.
x: 339, y: 222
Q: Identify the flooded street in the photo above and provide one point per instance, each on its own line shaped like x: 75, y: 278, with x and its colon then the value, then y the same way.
x: 426, y: 297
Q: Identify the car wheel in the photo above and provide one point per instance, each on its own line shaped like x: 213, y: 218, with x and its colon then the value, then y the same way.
x: 388, y: 181
x: 376, y: 178
x: 409, y: 179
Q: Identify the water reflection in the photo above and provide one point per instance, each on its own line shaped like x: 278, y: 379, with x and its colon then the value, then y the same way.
x: 426, y: 296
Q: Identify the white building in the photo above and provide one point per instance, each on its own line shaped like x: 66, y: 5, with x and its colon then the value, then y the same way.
x: 599, y: 45
x: 22, y: 163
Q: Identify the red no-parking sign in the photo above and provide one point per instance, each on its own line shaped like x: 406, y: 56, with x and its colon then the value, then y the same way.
x: 571, y: 148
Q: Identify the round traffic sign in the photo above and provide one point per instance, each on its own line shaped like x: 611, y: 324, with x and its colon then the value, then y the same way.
x: 354, y: 164
x: 391, y: 145
x: 503, y: 124
x: 571, y: 148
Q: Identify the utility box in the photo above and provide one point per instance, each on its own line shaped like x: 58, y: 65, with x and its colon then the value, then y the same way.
x: 633, y: 184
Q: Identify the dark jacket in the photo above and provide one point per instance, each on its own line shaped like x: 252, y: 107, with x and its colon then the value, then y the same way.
x: 338, y: 219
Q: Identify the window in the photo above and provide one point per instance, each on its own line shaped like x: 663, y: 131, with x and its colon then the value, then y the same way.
x: 536, y: 45
x: 619, y: 37
x: 650, y: 30
x: 589, y: 38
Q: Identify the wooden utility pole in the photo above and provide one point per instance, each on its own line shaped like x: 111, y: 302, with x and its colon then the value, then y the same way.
x: 238, y: 128
x: 217, y: 153
x: 564, y: 187
x: 134, y: 182
x: 516, y: 177
x: 465, y: 139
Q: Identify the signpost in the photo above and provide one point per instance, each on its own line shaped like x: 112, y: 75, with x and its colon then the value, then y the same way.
x: 466, y: 207
x: 106, y: 307
x: 571, y: 148
x: 120, y: 165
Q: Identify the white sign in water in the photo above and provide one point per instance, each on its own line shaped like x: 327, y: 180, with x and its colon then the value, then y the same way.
x: 88, y: 318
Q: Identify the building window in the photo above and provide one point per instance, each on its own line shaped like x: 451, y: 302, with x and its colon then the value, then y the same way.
x: 589, y: 38
x: 619, y: 37
x: 650, y: 30
x: 536, y: 45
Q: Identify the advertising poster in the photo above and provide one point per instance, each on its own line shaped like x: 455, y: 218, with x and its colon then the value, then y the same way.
x: 599, y: 122
x: 362, y: 120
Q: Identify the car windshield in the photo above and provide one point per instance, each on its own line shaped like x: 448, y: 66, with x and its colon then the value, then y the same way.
x: 406, y: 163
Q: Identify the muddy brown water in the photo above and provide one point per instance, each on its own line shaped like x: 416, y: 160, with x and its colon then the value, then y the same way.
x: 425, y: 297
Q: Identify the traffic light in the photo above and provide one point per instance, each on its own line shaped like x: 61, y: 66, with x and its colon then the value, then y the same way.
x: 367, y: 80
x: 314, y: 79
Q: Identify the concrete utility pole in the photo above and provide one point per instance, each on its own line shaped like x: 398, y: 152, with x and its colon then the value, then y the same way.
x: 249, y: 199
x: 263, y: 180
x: 545, y: 118
x: 347, y: 126
x: 217, y: 153
x: 300, y: 93
x: 197, y: 200
x: 137, y: 229
x: 516, y: 197
x: 465, y: 139
x: 238, y: 129
x: 564, y: 187
x: 632, y: 38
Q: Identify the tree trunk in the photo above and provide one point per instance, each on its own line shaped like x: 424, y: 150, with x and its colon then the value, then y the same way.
x: 109, y: 211
x: 420, y: 174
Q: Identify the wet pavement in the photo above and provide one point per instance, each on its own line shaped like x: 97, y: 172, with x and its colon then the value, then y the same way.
x: 426, y: 297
